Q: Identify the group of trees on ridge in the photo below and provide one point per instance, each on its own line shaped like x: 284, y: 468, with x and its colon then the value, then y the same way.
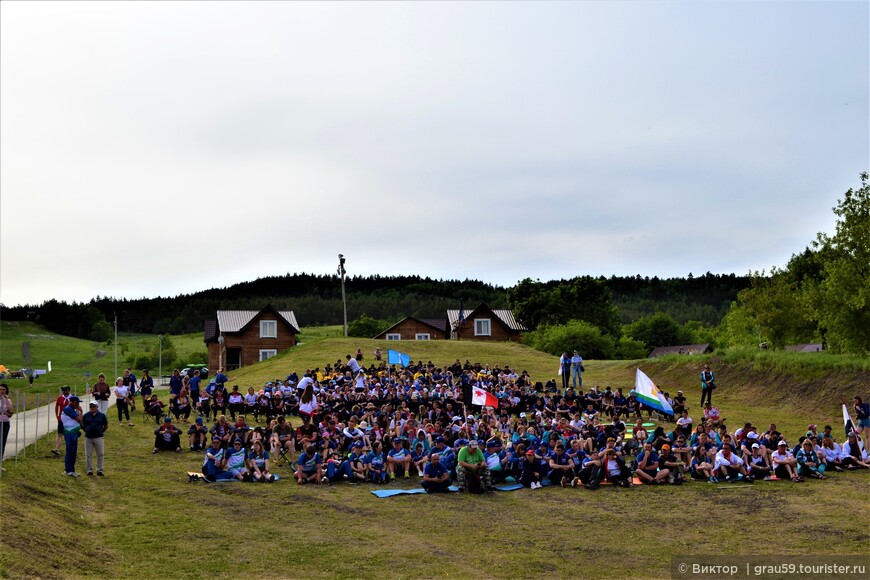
x: 821, y: 295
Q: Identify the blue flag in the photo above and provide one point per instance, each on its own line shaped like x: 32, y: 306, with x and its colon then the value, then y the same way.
x: 395, y: 357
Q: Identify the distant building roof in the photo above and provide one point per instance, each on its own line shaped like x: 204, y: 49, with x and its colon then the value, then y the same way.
x: 506, y: 316
x: 238, y: 320
x: 680, y: 349
x: 805, y: 347
x: 439, y: 323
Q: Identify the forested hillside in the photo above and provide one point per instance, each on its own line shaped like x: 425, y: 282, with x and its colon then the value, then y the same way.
x: 316, y: 299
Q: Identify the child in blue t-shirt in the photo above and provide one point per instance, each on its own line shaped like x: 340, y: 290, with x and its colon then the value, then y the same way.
x: 309, y: 467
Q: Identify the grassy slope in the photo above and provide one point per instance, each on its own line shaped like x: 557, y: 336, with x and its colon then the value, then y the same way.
x: 145, y: 506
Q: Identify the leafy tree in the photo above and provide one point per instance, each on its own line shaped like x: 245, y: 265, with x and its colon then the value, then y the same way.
x: 575, y: 335
x: 366, y: 327
x: 841, y: 301
x: 658, y: 329
x: 555, y: 303
x: 781, y: 315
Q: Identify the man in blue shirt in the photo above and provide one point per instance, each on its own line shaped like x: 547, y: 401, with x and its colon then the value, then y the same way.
x: 435, y: 477
x: 577, y: 363
x: 310, y: 467
x: 94, y: 424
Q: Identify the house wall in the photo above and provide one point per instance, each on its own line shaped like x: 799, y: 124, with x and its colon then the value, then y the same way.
x: 409, y: 329
x: 498, y: 331
x: 251, y: 343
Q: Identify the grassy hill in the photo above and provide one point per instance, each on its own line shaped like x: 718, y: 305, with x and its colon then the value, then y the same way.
x: 133, y: 522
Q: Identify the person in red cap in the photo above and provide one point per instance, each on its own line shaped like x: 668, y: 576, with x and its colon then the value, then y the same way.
x: 530, y: 471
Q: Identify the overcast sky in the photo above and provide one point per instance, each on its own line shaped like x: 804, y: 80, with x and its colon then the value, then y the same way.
x: 153, y: 149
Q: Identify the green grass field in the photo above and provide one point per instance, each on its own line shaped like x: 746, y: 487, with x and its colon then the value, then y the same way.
x: 145, y: 520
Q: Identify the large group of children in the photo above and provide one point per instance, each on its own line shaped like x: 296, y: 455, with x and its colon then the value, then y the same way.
x: 376, y: 424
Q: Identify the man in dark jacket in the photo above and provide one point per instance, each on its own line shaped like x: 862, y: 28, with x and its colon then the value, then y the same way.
x: 94, y: 424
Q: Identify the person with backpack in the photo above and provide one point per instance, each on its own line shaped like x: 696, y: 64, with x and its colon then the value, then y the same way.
x: 708, y: 383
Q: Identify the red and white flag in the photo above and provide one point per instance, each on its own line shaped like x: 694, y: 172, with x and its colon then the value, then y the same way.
x: 483, y: 398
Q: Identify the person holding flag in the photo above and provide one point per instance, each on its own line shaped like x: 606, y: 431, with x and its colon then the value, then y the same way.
x: 862, y: 414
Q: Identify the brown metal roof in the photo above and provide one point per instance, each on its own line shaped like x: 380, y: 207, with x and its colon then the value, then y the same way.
x: 210, y: 330
x: 236, y: 320
x: 506, y: 317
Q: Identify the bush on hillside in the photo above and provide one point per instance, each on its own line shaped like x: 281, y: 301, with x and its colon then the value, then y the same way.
x: 576, y: 335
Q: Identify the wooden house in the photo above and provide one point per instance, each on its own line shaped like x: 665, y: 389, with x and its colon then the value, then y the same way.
x: 410, y: 328
x: 484, y: 323
x: 239, y: 338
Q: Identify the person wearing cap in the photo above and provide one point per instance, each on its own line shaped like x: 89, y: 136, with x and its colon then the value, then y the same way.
x: 531, y: 470
x: 197, y: 435
x: 756, y: 461
x: 376, y: 463
x: 94, y: 424
x: 679, y: 404
x: 784, y: 464
x: 471, y: 463
x: 675, y: 465
x: 167, y: 437
x: 71, y: 419
x: 59, y: 405
x: 236, y: 460
x: 852, y: 456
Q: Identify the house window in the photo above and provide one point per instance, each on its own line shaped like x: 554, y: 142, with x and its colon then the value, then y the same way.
x: 396, y: 336
x: 267, y: 353
x: 482, y: 327
x: 268, y: 329
x: 421, y: 336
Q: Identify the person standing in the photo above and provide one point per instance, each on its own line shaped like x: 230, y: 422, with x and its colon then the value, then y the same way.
x: 71, y: 419
x: 94, y: 424
x: 565, y: 369
x: 577, y: 363
x: 121, y: 401
x: 59, y: 405
x: 146, y: 387
x: 708, y: 383
x: 7, y: 409
x: 101, y: 392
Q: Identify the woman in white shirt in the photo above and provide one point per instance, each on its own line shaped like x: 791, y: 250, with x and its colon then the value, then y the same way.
x: 121, y: 394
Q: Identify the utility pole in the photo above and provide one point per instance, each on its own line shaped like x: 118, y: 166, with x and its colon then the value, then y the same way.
x: 342, y: 272
x: 160, y: 360
x: 116, y: 343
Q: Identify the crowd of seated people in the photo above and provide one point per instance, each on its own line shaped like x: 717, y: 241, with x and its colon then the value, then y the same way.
x: 383, y: 423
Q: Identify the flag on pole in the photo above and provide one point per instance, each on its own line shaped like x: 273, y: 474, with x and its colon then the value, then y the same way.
x: 483, y: 398
x: 649, y: 394
x: 395, y: 357
x: 850, y: 426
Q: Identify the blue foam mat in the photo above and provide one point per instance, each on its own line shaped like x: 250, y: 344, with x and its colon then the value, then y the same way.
x: 395, y: 492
